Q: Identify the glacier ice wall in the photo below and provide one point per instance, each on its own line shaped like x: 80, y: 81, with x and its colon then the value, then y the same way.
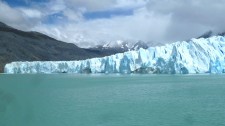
x: 195, y: 56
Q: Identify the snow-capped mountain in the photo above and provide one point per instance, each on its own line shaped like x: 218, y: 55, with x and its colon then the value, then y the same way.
x: 123, y: 46
x: 140, y: 44
x: 119, y: 46
x: 194, y: 56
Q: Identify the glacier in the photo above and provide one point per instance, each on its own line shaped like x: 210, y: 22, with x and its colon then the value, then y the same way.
x: 184, y: 57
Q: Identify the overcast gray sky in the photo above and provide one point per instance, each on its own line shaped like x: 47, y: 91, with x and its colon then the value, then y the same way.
x: 92, y: 22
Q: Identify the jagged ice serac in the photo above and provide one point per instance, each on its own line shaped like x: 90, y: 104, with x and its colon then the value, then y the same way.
x: 186, y: 57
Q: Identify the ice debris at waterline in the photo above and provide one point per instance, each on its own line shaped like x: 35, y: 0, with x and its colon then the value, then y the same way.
x: 195, y: 56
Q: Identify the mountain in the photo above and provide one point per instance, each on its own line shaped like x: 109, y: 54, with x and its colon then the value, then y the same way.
x: 138, y: 45
x: 2, y: 25
x: 110, y: 48
x: 210, y: 33
x: 206, y: 34
x: 222, y: 34
x: 186, y: 57
x: 17, y: 45
x: 119, y: 47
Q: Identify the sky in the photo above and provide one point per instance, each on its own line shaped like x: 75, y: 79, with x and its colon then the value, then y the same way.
x: 94, y: 22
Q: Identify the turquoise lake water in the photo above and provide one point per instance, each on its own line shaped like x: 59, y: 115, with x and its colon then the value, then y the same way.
x: 112, y: 100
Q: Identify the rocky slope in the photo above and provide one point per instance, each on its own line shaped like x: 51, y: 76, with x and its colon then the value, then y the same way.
x: 16, y: 45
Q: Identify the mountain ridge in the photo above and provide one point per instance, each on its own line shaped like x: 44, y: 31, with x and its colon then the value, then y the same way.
x: 17, y: 45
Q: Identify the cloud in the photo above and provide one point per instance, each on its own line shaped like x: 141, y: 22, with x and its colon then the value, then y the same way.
x: 8, y: 14
x: 92, y: 22
x: 21, y: 18
x: 142, y: 25
x: 91, y: 5
x: 31, y: 13
x: 190, y: 18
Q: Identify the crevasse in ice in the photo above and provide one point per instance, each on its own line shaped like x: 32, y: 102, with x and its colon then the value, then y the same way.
x: 195, y: 56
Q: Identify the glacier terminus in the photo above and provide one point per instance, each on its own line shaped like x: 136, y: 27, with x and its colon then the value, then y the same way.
x: 185, y: 57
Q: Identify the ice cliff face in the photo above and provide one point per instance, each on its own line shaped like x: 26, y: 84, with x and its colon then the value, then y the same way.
x: 195, y: 56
